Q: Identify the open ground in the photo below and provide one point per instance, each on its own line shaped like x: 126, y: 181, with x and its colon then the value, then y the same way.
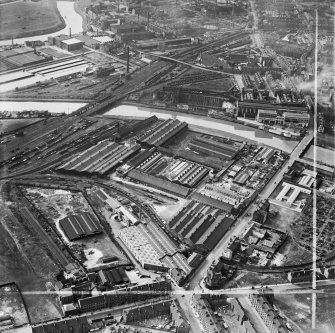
x: 28, y: 18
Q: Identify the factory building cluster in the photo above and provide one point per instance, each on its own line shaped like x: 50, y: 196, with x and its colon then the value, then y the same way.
x: 115, y: 276
x: 100, y: 158
x: 275, y: 114
x: 159, y: 183
x: 19, y: 57
x: 201, y: 225
x: 153, y: 249
x: 79, y: 226
x: 136, y: 240
x: 258, y: 245
x: 179, y: 171
x: 186, y: 173
x: 209, y: 146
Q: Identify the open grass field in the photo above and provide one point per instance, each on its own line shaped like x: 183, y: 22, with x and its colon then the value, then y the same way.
x: 28, y: 18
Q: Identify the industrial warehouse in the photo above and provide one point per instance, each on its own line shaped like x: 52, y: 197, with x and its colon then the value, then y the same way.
x: 209, y: 146
x: 153, y: 249
x: 79, y: 226
x: 101, y: 158
x: 162, y: 132
x: 201, y: 225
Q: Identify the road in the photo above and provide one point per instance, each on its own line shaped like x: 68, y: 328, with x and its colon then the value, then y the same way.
x: 186, y: 63
x: 254, y: 14
x: 266, y: 192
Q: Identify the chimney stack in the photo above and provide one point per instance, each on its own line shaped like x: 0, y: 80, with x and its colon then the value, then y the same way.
x: 70, y: 32
x: 128, y: 60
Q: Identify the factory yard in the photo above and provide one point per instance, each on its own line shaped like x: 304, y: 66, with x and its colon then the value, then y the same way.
x: 19, y: 19
x: 58, y: 205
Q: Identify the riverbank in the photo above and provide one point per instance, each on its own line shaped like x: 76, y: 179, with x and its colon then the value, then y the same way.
x: 25, y: 19
x: 210, y: 125
x: 79, y: 8
x: 72, y: 20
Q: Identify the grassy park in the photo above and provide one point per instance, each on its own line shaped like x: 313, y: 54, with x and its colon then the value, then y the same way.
x: 27, y: 18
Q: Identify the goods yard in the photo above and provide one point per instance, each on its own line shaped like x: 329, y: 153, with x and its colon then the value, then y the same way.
x: 100, y: 159
x: 200, y: 224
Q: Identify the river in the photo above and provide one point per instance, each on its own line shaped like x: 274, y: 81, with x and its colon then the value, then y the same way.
x: 41, y: 106
x: 72, y: 20
x: 208, y: 125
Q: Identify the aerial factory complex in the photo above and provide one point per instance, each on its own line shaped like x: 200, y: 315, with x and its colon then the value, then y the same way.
x: 167, y: 166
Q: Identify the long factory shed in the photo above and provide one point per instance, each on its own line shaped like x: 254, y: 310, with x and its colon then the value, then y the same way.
x: 101, y: 158
x: 162, y: 132
x: 79, y: 226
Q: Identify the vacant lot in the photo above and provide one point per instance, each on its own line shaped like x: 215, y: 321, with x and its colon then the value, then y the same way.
x: 24, y: 259
x: 7, y: 125
x: 297, y: 308
x: 28, y: 18
x: 11, y: 303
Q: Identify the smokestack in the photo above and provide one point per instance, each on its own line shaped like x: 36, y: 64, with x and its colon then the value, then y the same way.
x: 12, y: 42
x: 70, y: 32
x: 128, y: 60
x: 148, y: 20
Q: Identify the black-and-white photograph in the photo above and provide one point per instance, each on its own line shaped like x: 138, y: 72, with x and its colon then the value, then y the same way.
x: 167, y: 166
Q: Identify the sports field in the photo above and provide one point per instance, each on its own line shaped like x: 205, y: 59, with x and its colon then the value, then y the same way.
x: 27, y: 18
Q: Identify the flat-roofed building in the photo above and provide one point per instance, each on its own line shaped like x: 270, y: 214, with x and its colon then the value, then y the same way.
x: 72, y: 44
